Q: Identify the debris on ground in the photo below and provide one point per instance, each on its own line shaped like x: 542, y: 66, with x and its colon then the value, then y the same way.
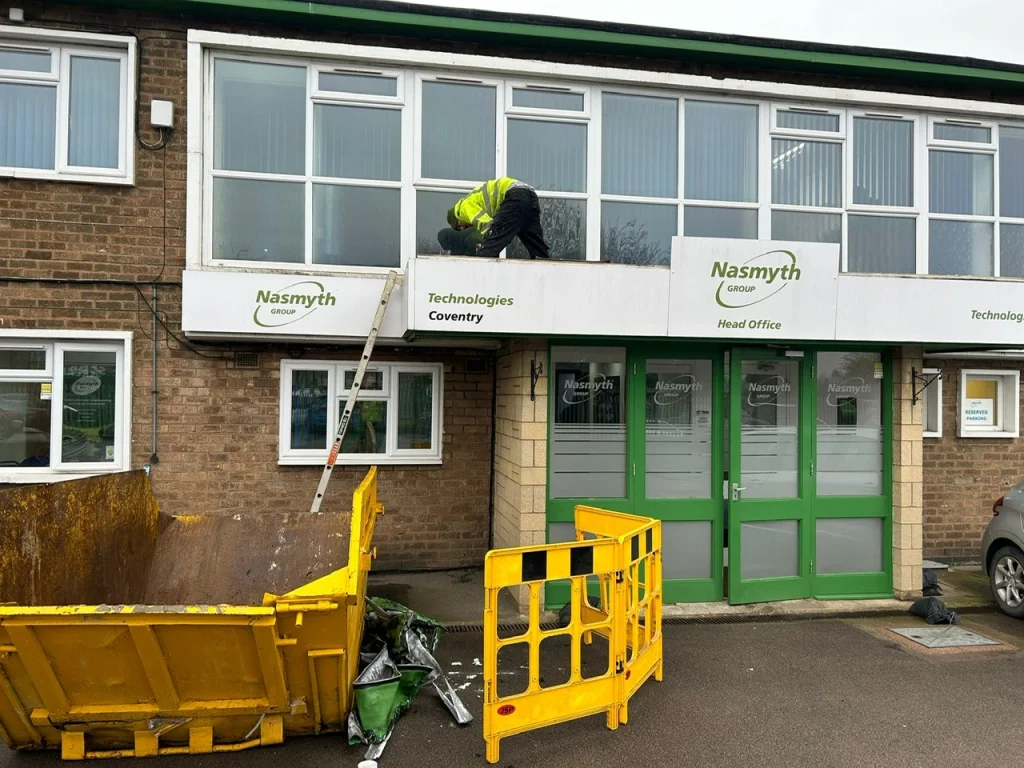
x: 396, y: 662
x: 930, y: 586
x: 934, y: 611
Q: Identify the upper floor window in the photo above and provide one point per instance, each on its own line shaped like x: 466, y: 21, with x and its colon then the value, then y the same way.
x: 66, y: 106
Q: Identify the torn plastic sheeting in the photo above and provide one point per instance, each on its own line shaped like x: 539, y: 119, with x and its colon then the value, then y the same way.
x: 934, y: 611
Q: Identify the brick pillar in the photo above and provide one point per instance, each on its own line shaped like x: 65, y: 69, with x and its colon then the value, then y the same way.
x: 521, y: 448
x: 907, y: 453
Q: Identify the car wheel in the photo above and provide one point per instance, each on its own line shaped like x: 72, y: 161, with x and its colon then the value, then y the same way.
x: 1007, y: 580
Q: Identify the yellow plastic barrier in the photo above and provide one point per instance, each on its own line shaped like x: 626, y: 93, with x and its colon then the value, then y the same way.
x: 139, y: 680
x: 622, y: 553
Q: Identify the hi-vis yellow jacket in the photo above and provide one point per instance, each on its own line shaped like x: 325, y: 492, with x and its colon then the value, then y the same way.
x: 479, y: 206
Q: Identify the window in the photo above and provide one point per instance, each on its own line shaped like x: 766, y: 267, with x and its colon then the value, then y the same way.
x: 989, y: 403
x: 396, y: 419
x: 1011, y: 201
x: 66, y: 106
x: 306, y: 166
x: 63, y: 407
x: 931, y: 400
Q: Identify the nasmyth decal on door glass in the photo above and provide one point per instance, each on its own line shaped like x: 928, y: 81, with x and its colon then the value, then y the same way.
x: 753, y: 289
x: 291, y: 303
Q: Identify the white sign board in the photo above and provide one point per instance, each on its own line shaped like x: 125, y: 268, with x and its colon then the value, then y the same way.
x: 753, y: 289
x: 268, y: 304
x: 979, y: 412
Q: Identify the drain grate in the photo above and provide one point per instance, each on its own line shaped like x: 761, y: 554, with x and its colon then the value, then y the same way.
x: 944, y: 637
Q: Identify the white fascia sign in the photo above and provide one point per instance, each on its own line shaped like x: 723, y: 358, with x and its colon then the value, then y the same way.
x: 753, y: 289
x: 264, y: 304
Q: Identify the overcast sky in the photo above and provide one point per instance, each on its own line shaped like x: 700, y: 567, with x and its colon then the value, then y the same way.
x: 984, y: 29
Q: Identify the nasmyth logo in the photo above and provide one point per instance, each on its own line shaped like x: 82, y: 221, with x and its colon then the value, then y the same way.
x: 582, y: 389
x: 767, y: 391
x: 849, y: 388
x: 669, y: 392
x: 755, y: 280
x: 291, y: 303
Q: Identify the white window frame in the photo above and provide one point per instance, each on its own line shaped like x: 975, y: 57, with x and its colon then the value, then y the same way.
x: 56, y: 343
x: 935, y: 385
x: 992, y: 144
x: 62, y: 45
x: 288, y: 456
x: 809, y: 109
x: 1008, y: 398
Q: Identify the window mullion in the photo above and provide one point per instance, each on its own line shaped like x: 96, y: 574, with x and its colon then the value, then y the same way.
x: 308, y: 209
x: 922, y: 194
x: 57, y: 408
x: 764, y: 171
x: 594, y: 171
x: 60, y: 158
x: 996, y: 253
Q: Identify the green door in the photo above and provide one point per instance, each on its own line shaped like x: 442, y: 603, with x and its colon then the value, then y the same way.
x: 770, y: 407
x: 676, y: 409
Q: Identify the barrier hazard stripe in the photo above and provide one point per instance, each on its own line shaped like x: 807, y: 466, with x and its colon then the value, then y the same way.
x: 506, y: 568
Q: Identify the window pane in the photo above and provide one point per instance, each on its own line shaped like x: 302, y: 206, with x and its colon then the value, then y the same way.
x: 932, y: 402
x: 959, y: 248
x: 699, y: 221
x: 639, y: 145
x: 565, y: 230
x: 415, y: 411
x: 550, y: 156
x: 807, y: 121
x: 368, y: 429
x: 637, y: 233
x: 94, y: 125
x: 24, y: 425
x: 357, y: 143
x: 882, y: 244
x: 356, y: 225
x: 28, y: 125
x: 25, y: 61
x: 309, y: 410
x: 678, y: 429
x: 949, y: 132
x: 16, y: 359
x: 849, y: 424
x: 1011, y: 250
x: 851, y: 545
x: 960, y: 182
x: 686, y: 549
x: 458, y: 139
x: 588, y: 436
x: 1011, y: 171
x: 981, y: 404
x: 347, y: 82
x: 258, y: 220
x: 883, y: 161
x: 721, y: 151
x: 90, y: 406
x: 372, y: 381
x: 807, y: 173
x: 807, y: 227
x: 431, y: 212
x: 259, y: 117
x: 537, y: 98
x: 770, y: 549
x: 769, y: 430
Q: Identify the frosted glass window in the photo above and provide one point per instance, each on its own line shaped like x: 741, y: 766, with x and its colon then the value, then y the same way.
x: 701, y: 221
x: 882, y: 244
x: 639, y: 145
x: 769, y: 430
x: 769, y: 549
x: 721, y: 151
x: 1011, y: 250
x: 849, y: 545
x: 357, y: 142
x: 431, y: 218
x: 587, y: 387
x: 549, y: 155
x: 458, y: 131
x: 677, y: 436
x: 686, y: 550
x: 347, y: 225
x: 637, y: 233
x: 258, y: 220
x: 807, y: 227
x: 849, y: 424
x: 960, y: 248
x: 564, y: 221
x: 94, y: 112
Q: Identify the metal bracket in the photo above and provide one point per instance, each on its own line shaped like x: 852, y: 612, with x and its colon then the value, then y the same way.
x: 536, y: 371
x: 926, y: 380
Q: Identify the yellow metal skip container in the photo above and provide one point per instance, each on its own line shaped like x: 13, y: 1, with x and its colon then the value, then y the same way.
x: 141, y: 680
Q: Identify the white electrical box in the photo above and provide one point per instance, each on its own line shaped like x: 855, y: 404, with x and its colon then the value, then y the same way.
x: 161, y: 114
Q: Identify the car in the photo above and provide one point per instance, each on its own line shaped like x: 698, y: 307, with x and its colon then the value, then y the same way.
x: 1002, y: 551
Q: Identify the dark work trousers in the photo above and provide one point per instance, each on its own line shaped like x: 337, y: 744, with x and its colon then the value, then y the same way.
x: 518, y: 215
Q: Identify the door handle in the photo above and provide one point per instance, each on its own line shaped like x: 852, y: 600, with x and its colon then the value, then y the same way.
x: 736, y: 490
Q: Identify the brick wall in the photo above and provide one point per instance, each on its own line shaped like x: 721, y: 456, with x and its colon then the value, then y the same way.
x: 963, y: 476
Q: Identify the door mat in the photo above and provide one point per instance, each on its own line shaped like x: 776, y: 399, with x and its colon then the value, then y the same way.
x: 944, y: 637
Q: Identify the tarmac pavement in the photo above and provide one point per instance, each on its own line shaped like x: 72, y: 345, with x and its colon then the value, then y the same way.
x: 807, y: 693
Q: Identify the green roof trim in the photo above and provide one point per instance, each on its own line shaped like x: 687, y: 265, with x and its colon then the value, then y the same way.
x: 586, y: 36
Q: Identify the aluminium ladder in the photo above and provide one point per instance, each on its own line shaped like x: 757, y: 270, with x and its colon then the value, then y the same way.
x: 357, y: 383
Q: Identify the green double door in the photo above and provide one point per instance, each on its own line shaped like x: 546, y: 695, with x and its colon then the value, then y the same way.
x: 759, y: 462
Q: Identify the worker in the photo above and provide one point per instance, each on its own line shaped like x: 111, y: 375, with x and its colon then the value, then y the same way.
x: 459, y: 242
x: 500, y: 210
